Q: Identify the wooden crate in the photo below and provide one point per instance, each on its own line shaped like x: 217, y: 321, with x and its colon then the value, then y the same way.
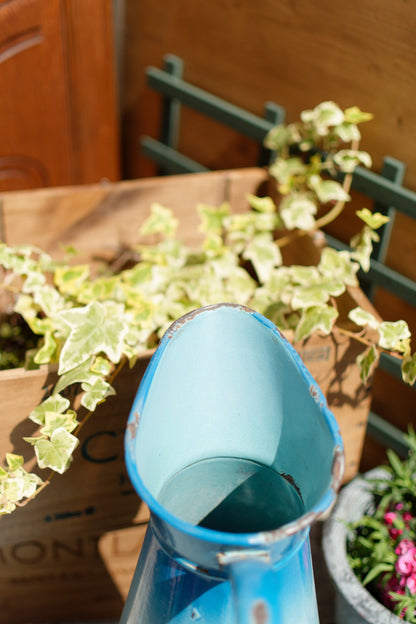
x: 71, y: 553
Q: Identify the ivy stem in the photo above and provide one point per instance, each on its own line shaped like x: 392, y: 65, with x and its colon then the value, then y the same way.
x: 328, y: 217
x: 40, y: 488
x: 8, y: 288
x: 353, y: 335
x: 324, y: 220
x: 365, y: 341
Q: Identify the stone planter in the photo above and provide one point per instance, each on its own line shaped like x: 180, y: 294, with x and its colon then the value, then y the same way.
x: 353, y: 603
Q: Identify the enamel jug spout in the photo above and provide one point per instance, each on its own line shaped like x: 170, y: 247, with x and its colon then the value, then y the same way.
x: 231, y: 445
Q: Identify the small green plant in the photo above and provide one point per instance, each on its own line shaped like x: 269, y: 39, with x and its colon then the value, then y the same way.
x: 16, y: 340
x: 382, y: 545
x: 91, y: 324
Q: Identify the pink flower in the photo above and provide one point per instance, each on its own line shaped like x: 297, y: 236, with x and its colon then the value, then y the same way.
x: 403, y: 546
x: 390, y: 517
x: 411, y: 584
x: 406, y: 563
x: 395, y: 533
x: 407, y: 516
x: 392, y: 585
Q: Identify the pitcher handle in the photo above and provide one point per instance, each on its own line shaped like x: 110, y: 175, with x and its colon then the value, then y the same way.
x: 264, y: 593
x: 254, y: 593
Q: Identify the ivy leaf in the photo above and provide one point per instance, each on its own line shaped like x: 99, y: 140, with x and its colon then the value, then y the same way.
x: 49, y: 300
x: 280, y: 280
x: 17, y: 259
x: 101, y: 366
x: 362, y: 317
x: 16, y: 486
x: 392, y: 334
x: 98, y: 290
x: 261, y: 204
x: 55, y: 403
x: 362, y: 244
x: 366, y: 362
x: 214, y: 245
x: 34, y: 280
x: 304, y: 274
x: 355, y: 116
x: 327, y: 190
x: 137, y: 275
x: 167, y: 253
x: 323, y: 116
x: 54, y: 421
x: 339, y: 266
x: 40, y: 326
x: 409, y: 369
x: 69, y: 279
x: 95, y: 328
x: 78, y: 374
x: 96, y: 393
x: 277, y: 138
x: 297, y: 210
x: 6, y: 504
x: 276, y: 313
x: 160, y: 221
x: 56, y: 453
x: 240, y: 228
x: 347, y: 132
x: 212, y: 217
x: 47, y: 351
x: 26, y: 307
x: 284, y: 169
x: 30, y: 483
x: 373, y: 220
x: 14, y: 462
x: 317, y: 318
x: 316, y: 294
x: 239, y: 285
x: 349, y: 159
x: 264, y: 255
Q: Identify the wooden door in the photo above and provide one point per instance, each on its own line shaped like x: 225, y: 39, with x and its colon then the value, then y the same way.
x: 58, y: 113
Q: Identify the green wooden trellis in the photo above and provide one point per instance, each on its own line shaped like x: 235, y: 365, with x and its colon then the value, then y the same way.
x: 385, y: 189
x: 176, y: 92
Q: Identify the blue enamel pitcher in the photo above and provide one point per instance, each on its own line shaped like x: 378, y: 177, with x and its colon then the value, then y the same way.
x: 232, y: 446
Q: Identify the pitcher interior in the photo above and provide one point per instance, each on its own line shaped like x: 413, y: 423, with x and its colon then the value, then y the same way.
x: 230, y: 413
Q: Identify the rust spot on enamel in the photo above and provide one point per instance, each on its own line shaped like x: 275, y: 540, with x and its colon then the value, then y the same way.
x: 337, y: 468
x: 259, y: 613
x: 292, y: 482
x: 194, y: 313
x: 132, y: 426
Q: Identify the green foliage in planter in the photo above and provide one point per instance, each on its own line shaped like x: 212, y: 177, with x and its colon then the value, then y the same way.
x: 382, y: 543
x: 91, y: 324
x: 16, y: 339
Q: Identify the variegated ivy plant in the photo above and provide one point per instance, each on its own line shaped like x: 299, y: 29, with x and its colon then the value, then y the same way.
x: 90, y: 326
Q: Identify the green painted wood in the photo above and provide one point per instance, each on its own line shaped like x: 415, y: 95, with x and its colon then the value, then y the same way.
x: 176, y: 92
x: 170, y: 160
x: 387, y: 434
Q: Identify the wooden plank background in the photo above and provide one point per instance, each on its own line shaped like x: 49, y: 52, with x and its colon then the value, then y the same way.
x: 294, y: 53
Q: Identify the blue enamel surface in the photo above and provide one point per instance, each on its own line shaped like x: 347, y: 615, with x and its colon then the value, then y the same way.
x: 224, y: 383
